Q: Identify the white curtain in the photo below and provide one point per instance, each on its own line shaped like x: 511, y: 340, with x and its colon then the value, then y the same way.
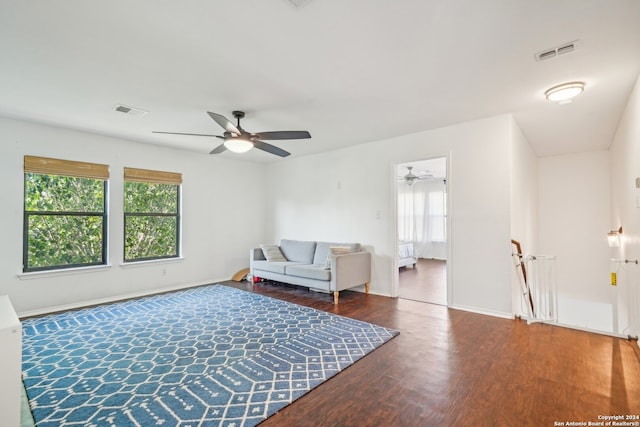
x: 422, y: 217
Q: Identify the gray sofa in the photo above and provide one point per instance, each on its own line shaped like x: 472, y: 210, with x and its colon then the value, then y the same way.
x: 308, y: 263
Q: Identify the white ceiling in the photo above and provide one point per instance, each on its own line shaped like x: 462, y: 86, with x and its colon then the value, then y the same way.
x: 349, y: 72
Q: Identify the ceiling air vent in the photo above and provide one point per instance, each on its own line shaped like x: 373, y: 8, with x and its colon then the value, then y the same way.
x: 558, y: 50
x: 132, y: 111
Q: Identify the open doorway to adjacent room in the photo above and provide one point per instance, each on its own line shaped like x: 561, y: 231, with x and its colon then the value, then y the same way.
x: 422, y: 230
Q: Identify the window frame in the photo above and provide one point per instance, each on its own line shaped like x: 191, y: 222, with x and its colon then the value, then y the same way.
x: 153, y: 177
x: 69, y: 169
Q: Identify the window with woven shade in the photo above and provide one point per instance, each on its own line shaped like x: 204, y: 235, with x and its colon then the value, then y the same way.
x: 151, y: 214
x: 65, y: 214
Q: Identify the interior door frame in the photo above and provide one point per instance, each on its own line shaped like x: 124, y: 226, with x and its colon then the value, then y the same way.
x: 395, y: 285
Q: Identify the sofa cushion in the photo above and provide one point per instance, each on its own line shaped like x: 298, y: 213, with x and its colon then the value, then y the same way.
x: 322, y: 250
x: 317, y: 272
x: 298, y: 250
x: 272, y: 266
x: 272, y: 253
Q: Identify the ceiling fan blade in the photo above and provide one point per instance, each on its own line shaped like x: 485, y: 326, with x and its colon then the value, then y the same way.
x: 182, y: 133
x: 219, y: 149
x: 224, y: 123
x: 285, y: 134
x: 270, y: 148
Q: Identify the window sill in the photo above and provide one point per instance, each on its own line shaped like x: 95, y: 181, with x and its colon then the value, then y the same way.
x: 62, y: 272
x: 136, y: 264
x: 94, y: 268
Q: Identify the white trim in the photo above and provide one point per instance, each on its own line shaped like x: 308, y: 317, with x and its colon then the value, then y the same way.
x: 377, y: 293
x: 147, y: 262
x: 371, y: 291
x: 450, y: 227
x: 580, y: 328
x: 95, y: 268
x: 62, y: 272
x: 483, y: 311
x: 395, y: 278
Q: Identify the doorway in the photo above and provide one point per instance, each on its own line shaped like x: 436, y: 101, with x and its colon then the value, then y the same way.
x: 422, y: 230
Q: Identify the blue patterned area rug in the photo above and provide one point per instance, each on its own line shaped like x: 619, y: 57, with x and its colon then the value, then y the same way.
x: 210, y: 356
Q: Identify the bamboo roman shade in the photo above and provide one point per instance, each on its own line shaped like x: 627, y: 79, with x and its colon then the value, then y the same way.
x: 156, y: 177
x: 45, y: 165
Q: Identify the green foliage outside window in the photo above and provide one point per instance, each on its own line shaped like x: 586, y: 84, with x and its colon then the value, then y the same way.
x: 64, y: 221
x: 151, y: 220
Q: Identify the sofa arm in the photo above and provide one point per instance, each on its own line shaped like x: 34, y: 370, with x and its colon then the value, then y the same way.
x: 255, y: 254
x: 350, y: 270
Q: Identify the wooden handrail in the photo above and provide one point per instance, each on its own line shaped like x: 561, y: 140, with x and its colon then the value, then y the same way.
x: 524, y: 271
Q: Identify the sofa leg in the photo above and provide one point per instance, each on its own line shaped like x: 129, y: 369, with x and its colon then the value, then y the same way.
x: 336, y: 295
x: 366, y: 287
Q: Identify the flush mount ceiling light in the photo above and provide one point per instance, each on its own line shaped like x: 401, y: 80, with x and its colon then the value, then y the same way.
x: 564, y: 92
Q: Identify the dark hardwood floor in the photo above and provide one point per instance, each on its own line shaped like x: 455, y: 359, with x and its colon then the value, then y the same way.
x: 426, y: 282
x: 454, y: 368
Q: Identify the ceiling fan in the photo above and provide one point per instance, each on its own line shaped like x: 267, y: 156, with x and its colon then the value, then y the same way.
x: 239, y: 140
x: 410, y: 178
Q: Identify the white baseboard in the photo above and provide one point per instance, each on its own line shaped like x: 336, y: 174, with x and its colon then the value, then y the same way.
x: 111, y: 299
x: 593, y: 331
x: 371, y: 291
x: 374, y: 292
x: 483, y: 311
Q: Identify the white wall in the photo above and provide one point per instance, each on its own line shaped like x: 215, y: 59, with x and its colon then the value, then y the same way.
x: 524, y: 202
x: 625, y: 202
x: 218, y: 228
x: 574, y: 219
x: 344, y: 195
x: 349, y: 195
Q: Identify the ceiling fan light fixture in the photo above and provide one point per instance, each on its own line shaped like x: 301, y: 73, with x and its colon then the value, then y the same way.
x: 564, y: 92
x: 238, y: 145
x: 238, y: 140
x: 410, y: 178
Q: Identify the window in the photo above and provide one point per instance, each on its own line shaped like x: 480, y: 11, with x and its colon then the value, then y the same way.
x: 151, y: 214
x: 65, y: 214
x: 422, y: 215
x: 437, y: 216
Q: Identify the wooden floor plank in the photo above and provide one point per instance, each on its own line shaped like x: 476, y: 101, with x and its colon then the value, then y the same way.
x: 450, y: 367
x: 426, y: 281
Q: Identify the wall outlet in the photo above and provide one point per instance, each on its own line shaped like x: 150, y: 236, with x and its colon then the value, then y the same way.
x: 164, y: 272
